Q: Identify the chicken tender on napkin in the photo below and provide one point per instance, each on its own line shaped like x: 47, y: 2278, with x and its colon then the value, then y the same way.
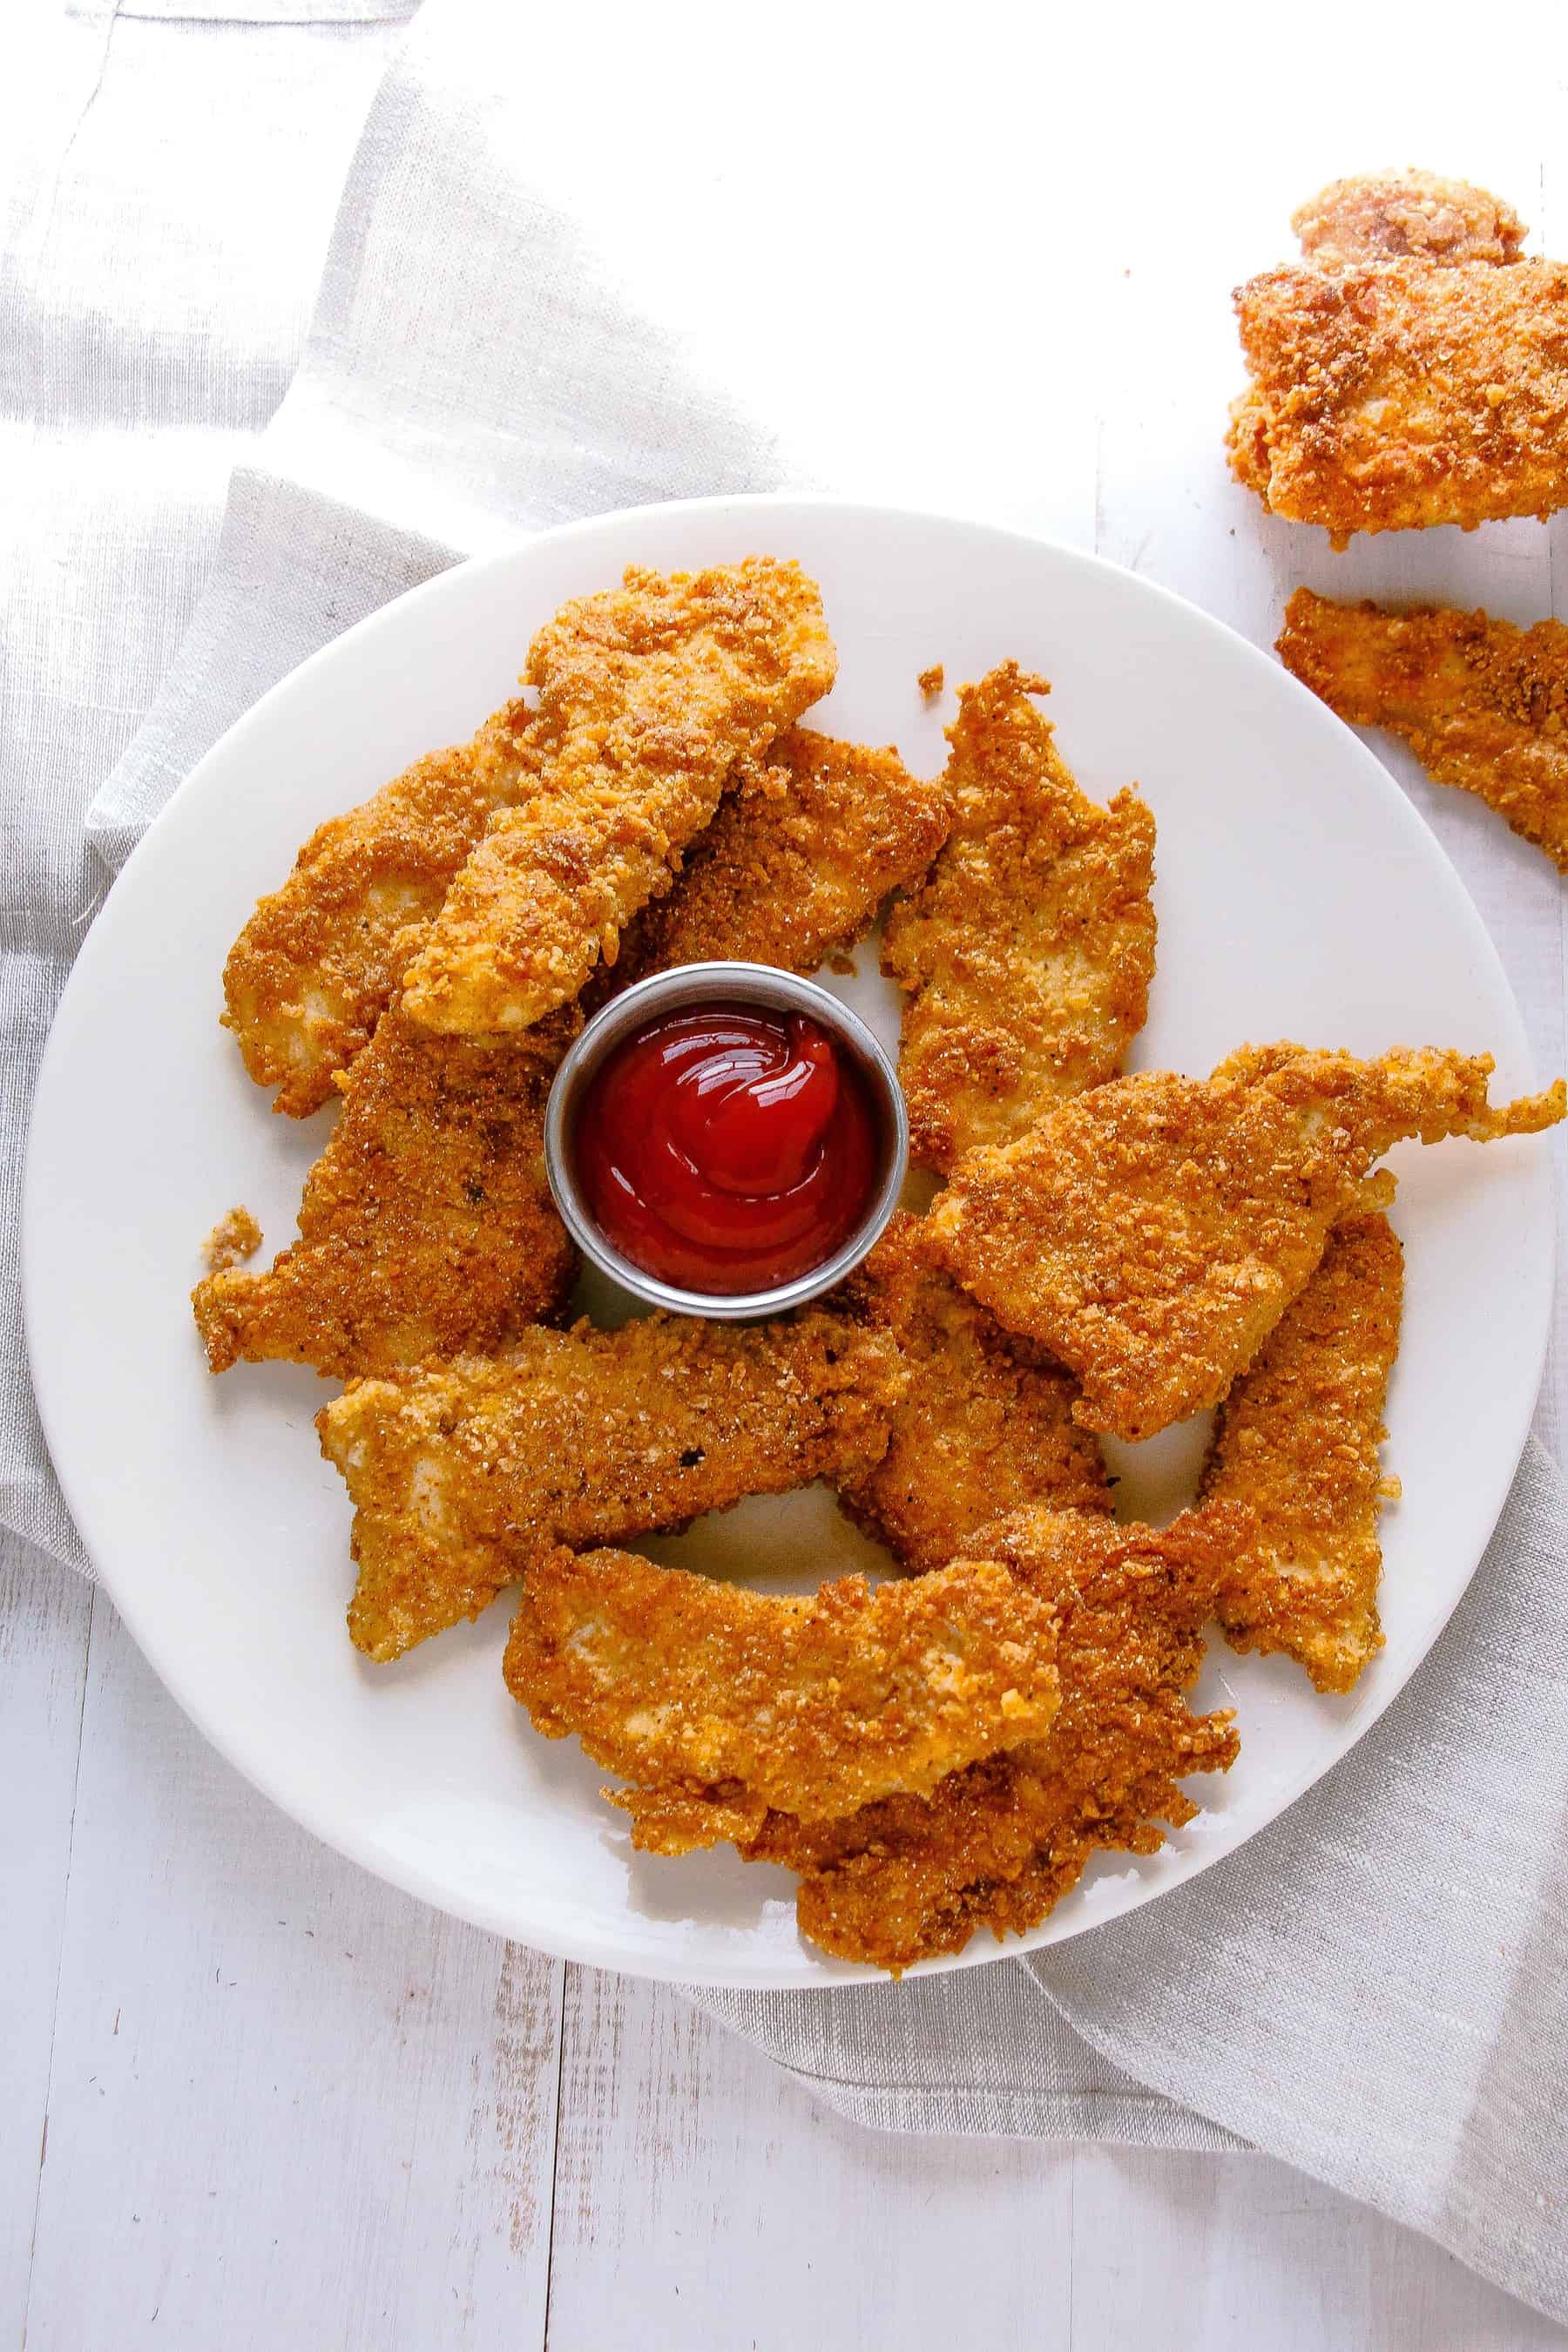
x: 1405, y: 215
x: 427, y: 1224
x: 463, y: 1476
x: 1395, y: 395
x: 649, y: 696
x: 1026, y: 956
x: 1151, y: 1234
x: 1483, y: 705
x: 796, y: 862
x: 986, y: 1425
x: 317, y: 964
x: 998, y: 1843
x: 1296, y: 1442
x: 718, y: 1704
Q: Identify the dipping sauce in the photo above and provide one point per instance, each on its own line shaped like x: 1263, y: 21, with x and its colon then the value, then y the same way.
x: 726, y: 1149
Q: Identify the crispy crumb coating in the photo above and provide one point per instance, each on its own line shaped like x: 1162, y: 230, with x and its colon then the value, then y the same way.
x: 464, y: 1474
x: 932, y: 681
x: 796, y: 862
x: 232, y: 1240
x: 1151, y: 1234
x: 986, y: 1425
x: 1396, y: 395
x: 1405, y: 215
x: 1482, y: 704
x: 427, y: 1224
x: 314, y: 968
x: 717, y: 1703
x: 1296, y: 1442
x: 999, y: 1843
x: 649, y: 696
x: 1026, y: 958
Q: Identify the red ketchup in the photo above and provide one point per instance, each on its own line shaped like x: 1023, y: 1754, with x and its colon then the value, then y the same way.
x: 726, y: 1149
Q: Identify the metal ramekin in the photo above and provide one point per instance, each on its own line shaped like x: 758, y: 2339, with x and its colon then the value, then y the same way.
x: 721, y: 983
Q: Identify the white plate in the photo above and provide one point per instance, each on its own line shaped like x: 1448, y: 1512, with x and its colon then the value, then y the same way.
x: 1298, y: 895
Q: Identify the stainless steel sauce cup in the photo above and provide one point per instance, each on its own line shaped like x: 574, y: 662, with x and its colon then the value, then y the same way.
x: 723, y: 983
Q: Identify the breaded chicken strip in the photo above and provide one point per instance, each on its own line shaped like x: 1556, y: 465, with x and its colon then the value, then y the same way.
x: 998, y: 1844
x: 427, y: 1224
x: 464, y: 1475
x: 986, y: 1425
x: 1152, y: 1233
x: 649, y: 696
x: 796, y: 865
x: 1405, y: 215
x: 718, y: 1704
x: 1027, y: 955
x: 316, y: 966
x: 1296, y: 1442
x: 1396, y: 395
x: 1482, y: 704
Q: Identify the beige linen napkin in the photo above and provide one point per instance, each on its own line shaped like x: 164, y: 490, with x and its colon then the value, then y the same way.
x: 1372, y: 1989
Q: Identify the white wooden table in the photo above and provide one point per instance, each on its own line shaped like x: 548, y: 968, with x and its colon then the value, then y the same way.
x: 249, y: 2097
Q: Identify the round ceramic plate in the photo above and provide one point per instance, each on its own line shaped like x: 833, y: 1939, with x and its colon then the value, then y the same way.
x: 1298, y: 896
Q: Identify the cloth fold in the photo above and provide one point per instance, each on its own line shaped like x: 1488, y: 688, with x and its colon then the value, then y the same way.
x: 1372, y: 1989
x: 471, y: 374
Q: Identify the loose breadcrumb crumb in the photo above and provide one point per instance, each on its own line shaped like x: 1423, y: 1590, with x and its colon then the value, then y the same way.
x: 232, y: 1240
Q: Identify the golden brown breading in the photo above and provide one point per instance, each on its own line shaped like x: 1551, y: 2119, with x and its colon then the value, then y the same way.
x: 316, y: 966
x: 1296, y: 1442
x: 932, y: 681
x: 464, y: 1474
x: 427, y: 1224
x: 1397, y: 395
x: 1400, y: 216
x: 796, y: 865
x: 986, y: 1427
x: 999, y: 1843
x: 1026, y: 956
x: 1482, y: 704
x: 718, y: 1704
x: 1152, y: 1232
x: 649, y: 695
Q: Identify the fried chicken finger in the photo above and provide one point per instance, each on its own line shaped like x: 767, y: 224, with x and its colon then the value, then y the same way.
x: 1296, y: 1442
x: 998, y: 1843
x: 464, y: 1475
x: 1151, y: 1234
x: 1026, y: 958
x: 718, y: 1703
x: 1482, y: 704
x: 648, y: 698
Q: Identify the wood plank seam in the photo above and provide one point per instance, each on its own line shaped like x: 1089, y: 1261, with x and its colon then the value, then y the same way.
x: 568, y: 1975
x: 59, y: 1958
